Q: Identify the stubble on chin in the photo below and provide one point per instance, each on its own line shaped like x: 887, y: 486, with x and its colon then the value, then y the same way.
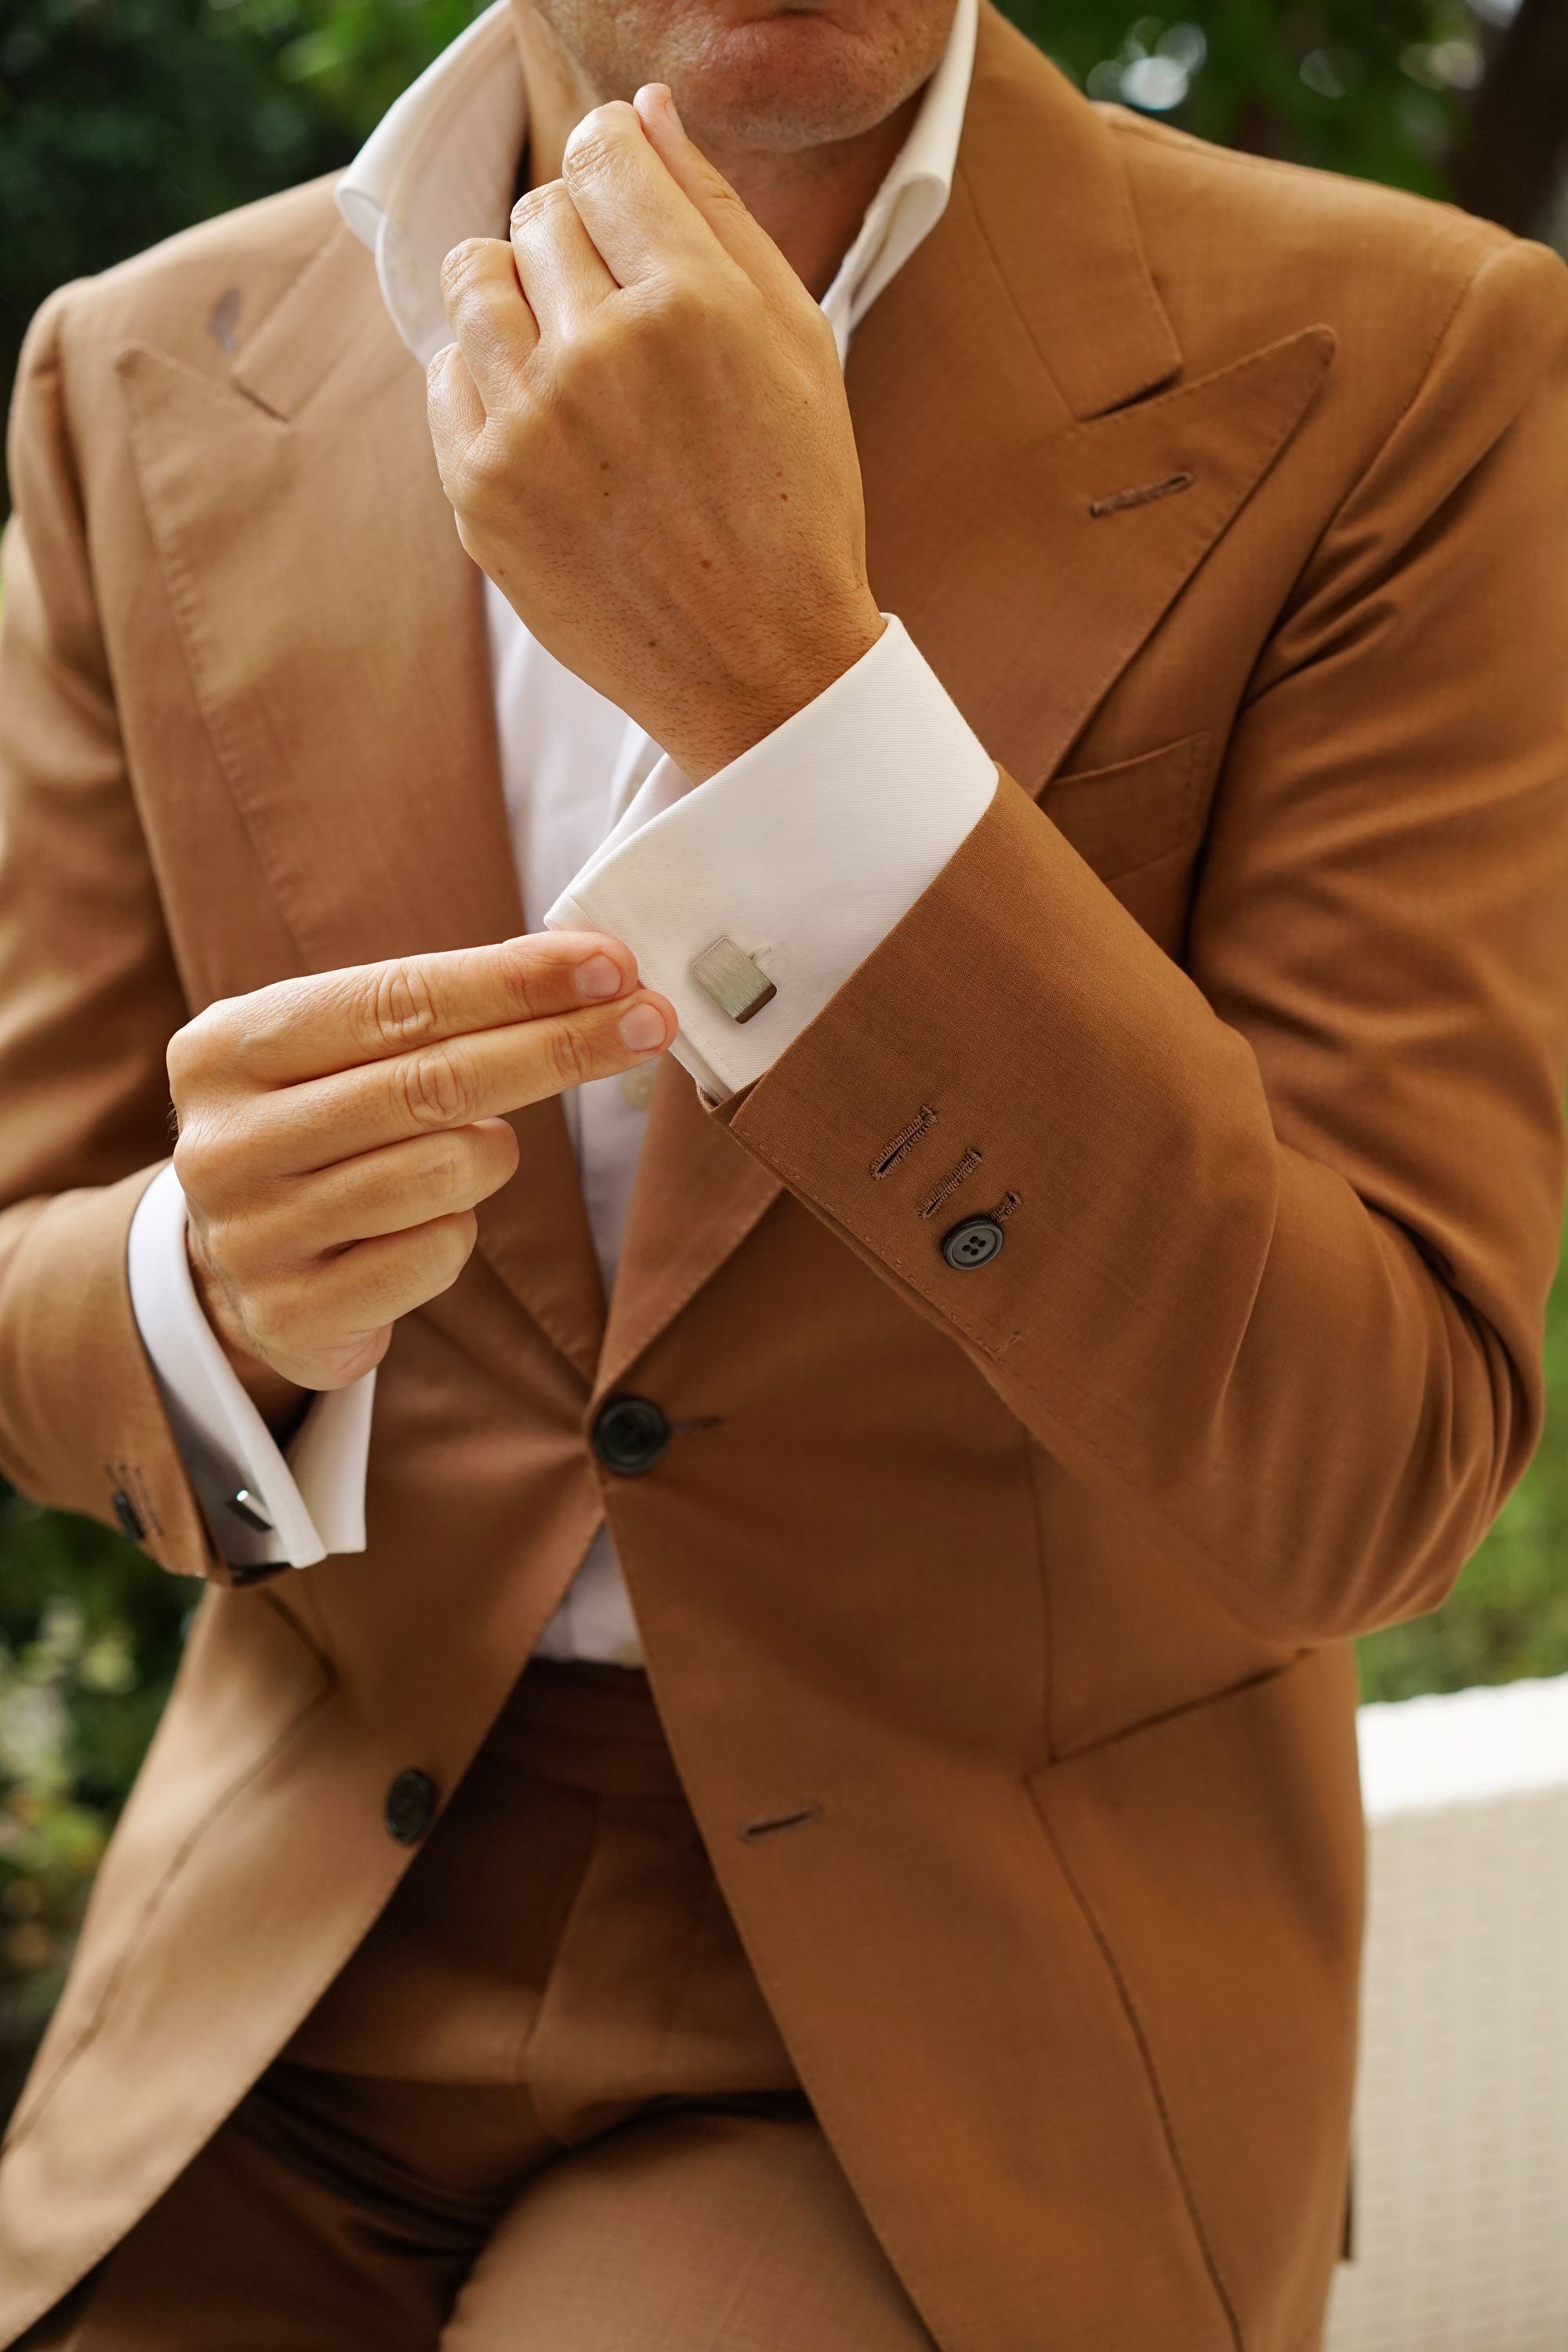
x: 751, y: 73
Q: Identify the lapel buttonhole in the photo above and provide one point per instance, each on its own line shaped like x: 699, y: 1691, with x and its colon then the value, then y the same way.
x: 1120, y: 501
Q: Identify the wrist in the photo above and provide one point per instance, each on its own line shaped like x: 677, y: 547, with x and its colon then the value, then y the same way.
x: 733, y: 719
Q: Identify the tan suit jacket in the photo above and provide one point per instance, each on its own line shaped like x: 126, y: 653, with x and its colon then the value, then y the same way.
x: 1231, y: 503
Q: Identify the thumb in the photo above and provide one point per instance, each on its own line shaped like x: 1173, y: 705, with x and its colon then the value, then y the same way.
x: 742, y: 236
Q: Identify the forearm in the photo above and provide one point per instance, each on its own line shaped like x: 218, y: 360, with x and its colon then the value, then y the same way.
x: 1186, y: 1312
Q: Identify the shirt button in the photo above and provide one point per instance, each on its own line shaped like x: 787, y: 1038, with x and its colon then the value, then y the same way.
x: 973, y: 1243
x: 629, y: 1435
x: 410, y: 1807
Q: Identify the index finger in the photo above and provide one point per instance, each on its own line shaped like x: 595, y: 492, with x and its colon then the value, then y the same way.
x: 641, y: 222
x: 741, y: 233
x: 335, y: 1020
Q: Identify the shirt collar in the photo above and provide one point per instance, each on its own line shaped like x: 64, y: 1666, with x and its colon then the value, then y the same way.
x: 441, y: 165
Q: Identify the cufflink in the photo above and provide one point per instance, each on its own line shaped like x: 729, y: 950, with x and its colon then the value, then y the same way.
x: 244, y: 1506
x: 737, y: 985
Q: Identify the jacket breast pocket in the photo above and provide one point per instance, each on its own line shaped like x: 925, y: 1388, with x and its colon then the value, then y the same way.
x: 1140, y: 824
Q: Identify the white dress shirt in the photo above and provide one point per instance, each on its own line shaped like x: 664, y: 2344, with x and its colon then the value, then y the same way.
x: 802, y: 853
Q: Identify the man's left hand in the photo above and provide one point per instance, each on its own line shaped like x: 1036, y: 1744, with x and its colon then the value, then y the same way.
x: 643, y: 430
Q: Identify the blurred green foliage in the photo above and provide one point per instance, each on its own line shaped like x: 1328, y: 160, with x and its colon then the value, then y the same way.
x: 121, y: 121
x: 89, y: 1638
x: 1370, y: 87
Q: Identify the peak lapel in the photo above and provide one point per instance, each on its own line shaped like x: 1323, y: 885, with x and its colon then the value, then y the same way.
x: 698, y: 1195
x: 333, y: 630
x: 1039, y: 483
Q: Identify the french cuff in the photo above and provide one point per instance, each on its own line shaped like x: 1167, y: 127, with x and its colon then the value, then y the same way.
x: 263, y: 1507
x: 748, y: 901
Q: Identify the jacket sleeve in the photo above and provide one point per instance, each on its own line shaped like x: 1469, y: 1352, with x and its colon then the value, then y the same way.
x: 89, y: 997
x: 1278, y: 1227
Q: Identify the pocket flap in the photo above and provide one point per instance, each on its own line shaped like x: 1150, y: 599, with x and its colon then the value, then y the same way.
x: 1124, y: 816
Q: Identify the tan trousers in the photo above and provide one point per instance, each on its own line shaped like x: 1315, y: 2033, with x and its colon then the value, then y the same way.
x: 544, y: 2109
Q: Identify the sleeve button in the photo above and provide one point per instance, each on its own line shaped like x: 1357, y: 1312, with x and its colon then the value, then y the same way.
x: 973, y: 1243
x: 126, y: 1512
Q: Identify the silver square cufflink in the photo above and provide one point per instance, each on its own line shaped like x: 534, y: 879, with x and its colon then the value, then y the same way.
x: 738, y: 985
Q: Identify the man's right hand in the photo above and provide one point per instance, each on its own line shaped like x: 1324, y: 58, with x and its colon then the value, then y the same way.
x: 336, y: 1134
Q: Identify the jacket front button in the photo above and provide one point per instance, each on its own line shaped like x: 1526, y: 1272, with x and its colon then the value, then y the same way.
x: 973, y: 1243
x: 410, y: 1807
x: 629, y: 1435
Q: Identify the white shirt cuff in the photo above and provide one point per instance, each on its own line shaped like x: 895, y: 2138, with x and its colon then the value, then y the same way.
x: 804, y: 853
x: 314, y: 1499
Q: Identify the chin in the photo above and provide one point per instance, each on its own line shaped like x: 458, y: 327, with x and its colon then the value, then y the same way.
x: 795, y: 81
x: 759, y: 73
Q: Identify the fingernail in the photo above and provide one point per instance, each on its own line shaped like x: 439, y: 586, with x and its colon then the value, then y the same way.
x: 643, y: 1026
x: 600, y: 976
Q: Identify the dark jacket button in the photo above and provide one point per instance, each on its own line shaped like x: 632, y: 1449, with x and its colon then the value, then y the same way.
x: 973, y: 1243
x: 629, y: 1435
x: 126, y: 1512
x: 410, y: 1807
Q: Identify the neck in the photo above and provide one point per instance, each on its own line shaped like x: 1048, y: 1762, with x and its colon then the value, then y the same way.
x: 810, y: 200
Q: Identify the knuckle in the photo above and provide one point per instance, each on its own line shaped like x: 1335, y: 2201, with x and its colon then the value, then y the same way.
x: 207, y: 1157
x: 595, y: 139
x: 446, y: 1175
x: 464, y: 267
x: 199, y: 1045
x: 400, y: 1009
x: 583, y: 357
x: 433, y: 1087
x: 572, y: 1055
x: 680, y: 300
x: 455, y: 1243
x: 506, y: 1151
x: 489, y: 469
x: 236, y: 1043
x: 189, y: 1161
x: 536, y: 206
x: 477, y: 479
x: 181, y: 1058
x: 684, y: 308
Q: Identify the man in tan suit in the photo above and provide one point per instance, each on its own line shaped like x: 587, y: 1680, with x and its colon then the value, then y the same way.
x: 818, y: 1808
